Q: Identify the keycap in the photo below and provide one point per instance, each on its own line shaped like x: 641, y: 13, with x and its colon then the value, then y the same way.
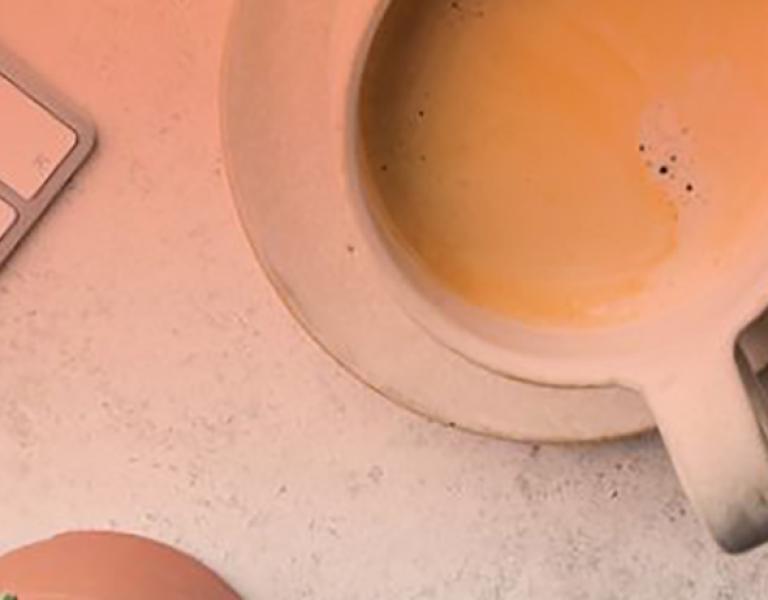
x: 33, y: 142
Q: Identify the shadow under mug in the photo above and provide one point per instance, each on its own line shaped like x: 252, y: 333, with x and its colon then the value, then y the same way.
x: 683, y: 359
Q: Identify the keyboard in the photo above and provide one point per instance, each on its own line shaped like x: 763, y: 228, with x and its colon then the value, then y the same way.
x: 43, y: 142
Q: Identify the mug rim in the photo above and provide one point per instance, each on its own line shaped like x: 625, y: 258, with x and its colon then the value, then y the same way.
x: 625, y: 354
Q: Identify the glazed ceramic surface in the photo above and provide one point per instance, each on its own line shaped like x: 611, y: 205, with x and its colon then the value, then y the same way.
x: 107, y: 566
x: 303, y: 228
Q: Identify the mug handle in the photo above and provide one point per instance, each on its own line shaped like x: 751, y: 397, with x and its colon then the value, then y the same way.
x: 711, y: 418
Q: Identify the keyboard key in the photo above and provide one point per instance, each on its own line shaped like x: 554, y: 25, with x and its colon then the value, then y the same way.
x: 33, y: 142
x: 7, y: 217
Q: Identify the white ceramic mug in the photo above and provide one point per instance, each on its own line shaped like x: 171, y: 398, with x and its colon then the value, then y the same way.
x: 683, y: 360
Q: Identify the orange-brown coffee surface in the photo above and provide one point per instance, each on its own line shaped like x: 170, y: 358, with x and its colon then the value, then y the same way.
x: 569, y: 163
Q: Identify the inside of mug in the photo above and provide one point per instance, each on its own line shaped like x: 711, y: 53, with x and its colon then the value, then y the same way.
x: 540, y: 168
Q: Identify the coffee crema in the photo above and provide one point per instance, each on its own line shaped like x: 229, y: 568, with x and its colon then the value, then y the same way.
x: 569, y: 163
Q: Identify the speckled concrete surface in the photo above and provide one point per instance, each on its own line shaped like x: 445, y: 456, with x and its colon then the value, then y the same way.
x: 152, y: 382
